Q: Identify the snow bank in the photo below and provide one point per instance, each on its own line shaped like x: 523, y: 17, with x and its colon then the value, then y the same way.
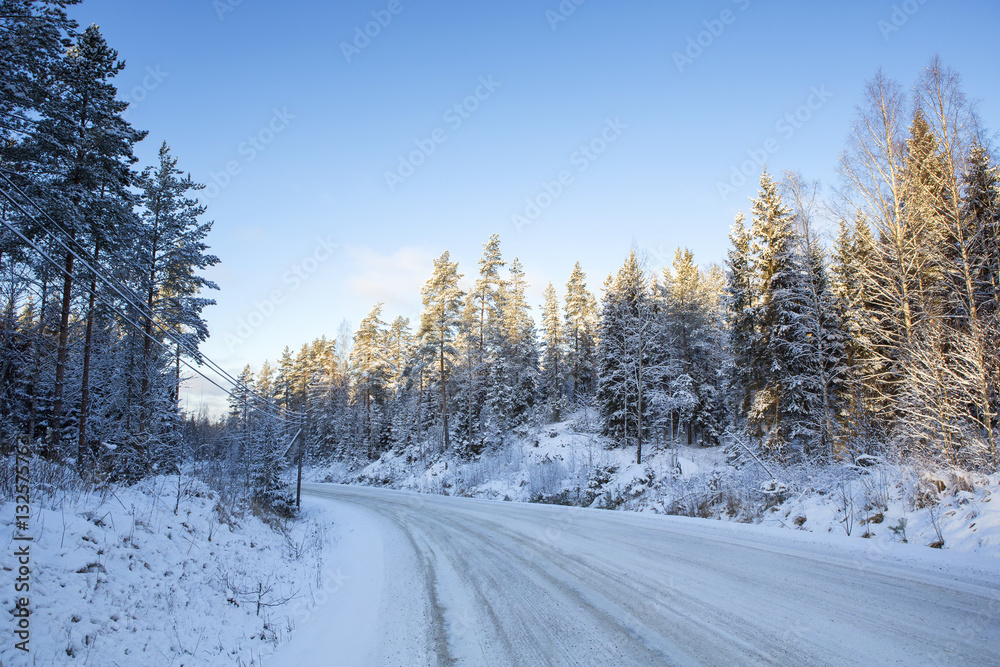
x: 951, y: 510
x: 567, y: 463
x: 120, y: 577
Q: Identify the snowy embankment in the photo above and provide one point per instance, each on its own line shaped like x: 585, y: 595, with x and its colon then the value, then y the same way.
x: 567, y: 463
x: 146, y: 575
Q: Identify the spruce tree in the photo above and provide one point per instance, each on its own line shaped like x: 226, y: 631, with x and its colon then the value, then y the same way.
x: 690, y: 359
x: 626, y: 340
x: 744, y: 374
x: 468, y: 383
x: 981, y: 207
x: 240, y: 425
x: 779, y: 411
x: 822, y: 341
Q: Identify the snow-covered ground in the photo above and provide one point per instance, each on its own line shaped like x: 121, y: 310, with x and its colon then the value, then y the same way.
x: 443, y: 580
x: 120, y: 578
x: 147, y: 575
x: 567, y: 463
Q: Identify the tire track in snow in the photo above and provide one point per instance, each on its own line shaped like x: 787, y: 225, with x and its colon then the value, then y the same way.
x: 614, y: 588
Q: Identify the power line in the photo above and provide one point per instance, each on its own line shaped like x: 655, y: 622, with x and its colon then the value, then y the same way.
x: 139, y: 271
x: 295, y: 417
x: 238, y: 386
x: 119, y: 288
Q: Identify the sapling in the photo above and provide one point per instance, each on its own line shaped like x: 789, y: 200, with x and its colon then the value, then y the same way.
x: 939, y: 543
x: 899, y: 530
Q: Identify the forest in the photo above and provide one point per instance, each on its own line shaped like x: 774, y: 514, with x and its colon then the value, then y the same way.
x: 862, y: 326
x: 102, y: 261
x: 877, y: 340
x: 785, y: 452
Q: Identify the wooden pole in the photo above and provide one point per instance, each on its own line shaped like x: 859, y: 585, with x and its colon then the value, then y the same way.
x: 298, y: 485
x: 299, y: 455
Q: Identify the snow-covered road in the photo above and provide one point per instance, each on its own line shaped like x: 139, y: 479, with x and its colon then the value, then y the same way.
x: 439, y: 580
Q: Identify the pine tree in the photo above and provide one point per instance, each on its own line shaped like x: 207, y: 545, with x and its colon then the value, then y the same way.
x: 170, y: 250
x: 371, y: 370
x: 869, y: 391
x: 83, y: 151
x: 580, y: 326
x: 266, y: 381
x: 519, y: 346
x: 981, y: 213
x: 820, y: 344
x: 328, y: 401
x: 477, y: 341
x: 553, y: 364
x: 466, y: 378
x: 484, y: 298
x: 929, y: 408
x: 284, y: 381
x: 439, y: 322
x: 33, y: 37
x: 400, y: 344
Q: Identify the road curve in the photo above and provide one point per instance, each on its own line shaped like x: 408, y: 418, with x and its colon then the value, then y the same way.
x: 482, y: 582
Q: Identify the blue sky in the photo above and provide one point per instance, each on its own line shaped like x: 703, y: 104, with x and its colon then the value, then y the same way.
x: 295, y: 134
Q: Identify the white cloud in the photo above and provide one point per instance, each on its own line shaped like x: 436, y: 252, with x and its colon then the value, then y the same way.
x: 393, y: 279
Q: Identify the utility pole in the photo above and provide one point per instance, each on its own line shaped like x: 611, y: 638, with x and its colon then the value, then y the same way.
x: 299, y: 454
x: 298, y: 485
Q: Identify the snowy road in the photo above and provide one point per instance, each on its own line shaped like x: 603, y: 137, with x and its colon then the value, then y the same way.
x: 437, y: 580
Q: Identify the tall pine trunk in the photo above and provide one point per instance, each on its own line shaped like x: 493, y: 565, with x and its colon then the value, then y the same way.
x: 147, y: 342
x: 576, y: 359
x: 147, y: 351
x: 177, y: 379
x: 39, y: 340
x: 638, y: 451
x: 61, y: 355
x: 444, y: 399
x: 81, y: 450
